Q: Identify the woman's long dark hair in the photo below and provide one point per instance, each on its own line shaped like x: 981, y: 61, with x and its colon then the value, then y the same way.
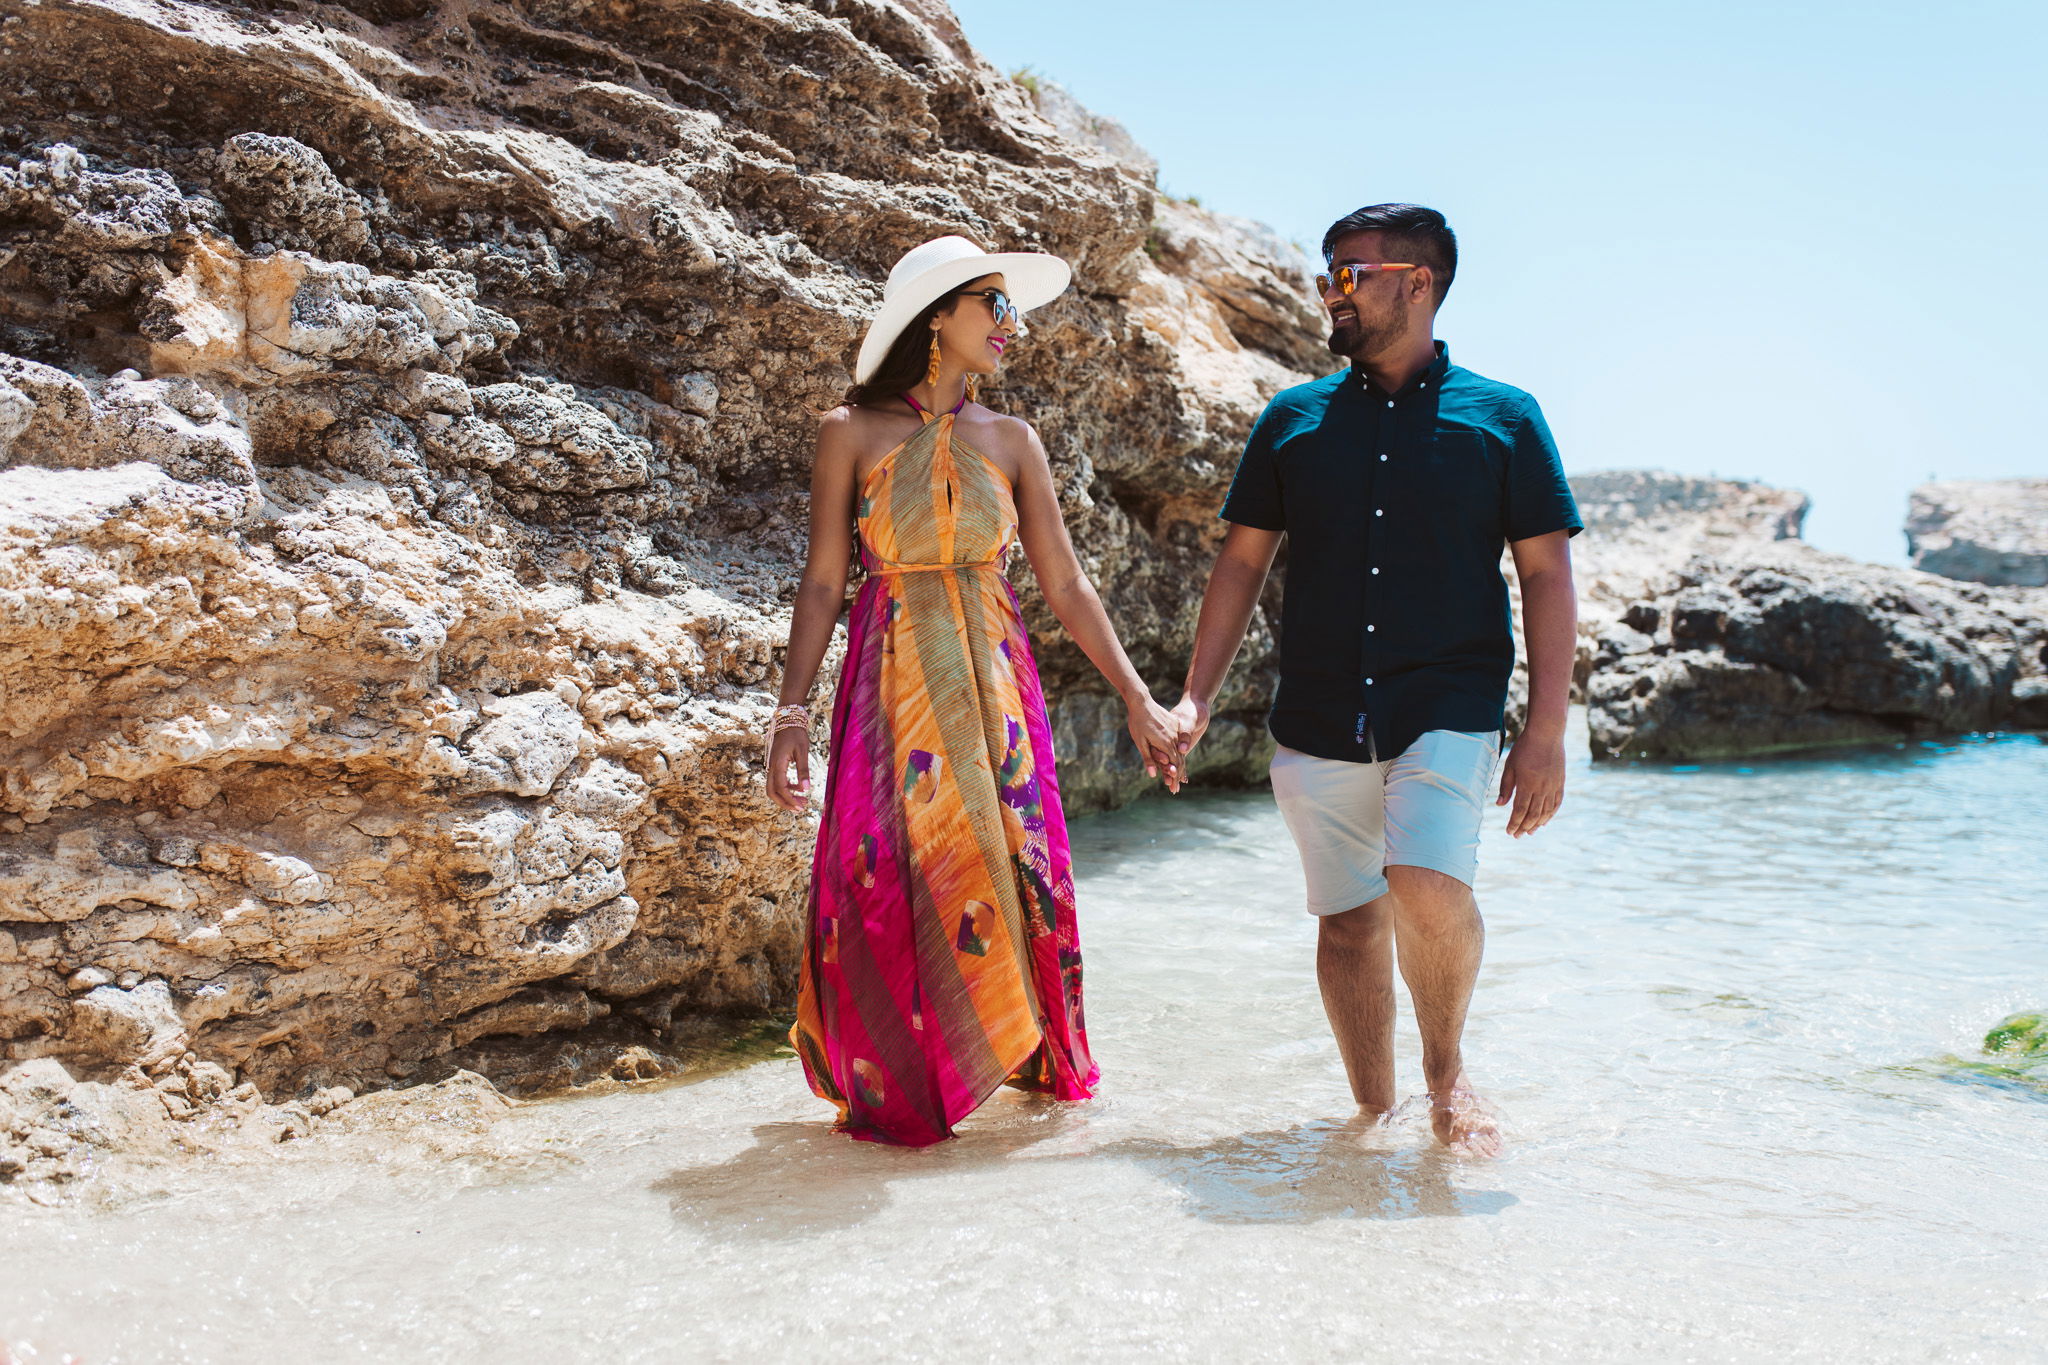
x: 910, y: 355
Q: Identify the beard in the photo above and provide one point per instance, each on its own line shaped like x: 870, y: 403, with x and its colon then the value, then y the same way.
x: 1364, y: 335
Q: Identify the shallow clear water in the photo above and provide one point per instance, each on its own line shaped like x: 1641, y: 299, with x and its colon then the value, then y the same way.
x: 1715, y: 1012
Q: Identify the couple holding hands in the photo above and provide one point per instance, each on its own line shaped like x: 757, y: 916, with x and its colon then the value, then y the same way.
x: 941, y: 957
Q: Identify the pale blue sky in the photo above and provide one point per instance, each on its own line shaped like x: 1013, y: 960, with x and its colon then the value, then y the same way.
x: 1795, y: 242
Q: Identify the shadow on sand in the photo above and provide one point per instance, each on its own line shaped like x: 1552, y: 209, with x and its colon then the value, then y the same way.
x: 800, y: 1179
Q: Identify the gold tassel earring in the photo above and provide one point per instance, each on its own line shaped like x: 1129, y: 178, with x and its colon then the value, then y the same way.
x: 974, y: 388
x: 931, y: 373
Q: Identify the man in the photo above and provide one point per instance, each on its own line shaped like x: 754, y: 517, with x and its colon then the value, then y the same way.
x: 1396, y: 482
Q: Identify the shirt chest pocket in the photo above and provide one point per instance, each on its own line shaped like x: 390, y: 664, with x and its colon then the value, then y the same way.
x: 1462, y: 484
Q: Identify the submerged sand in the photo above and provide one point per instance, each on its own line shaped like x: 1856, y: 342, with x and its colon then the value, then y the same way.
x: 1733, y: 1013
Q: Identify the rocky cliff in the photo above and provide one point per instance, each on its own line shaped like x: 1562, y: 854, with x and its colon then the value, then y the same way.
x: 403, y: 442
x: 1986, y: 531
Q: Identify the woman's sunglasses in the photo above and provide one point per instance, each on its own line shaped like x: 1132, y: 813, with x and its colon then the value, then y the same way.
x: 1347, y: 276
x: 998, y: 304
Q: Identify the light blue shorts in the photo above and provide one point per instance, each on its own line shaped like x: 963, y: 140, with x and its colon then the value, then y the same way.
x: 1352, y: 821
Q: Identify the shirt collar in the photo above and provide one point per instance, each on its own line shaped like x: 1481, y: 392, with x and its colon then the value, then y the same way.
x: 1431, y: 377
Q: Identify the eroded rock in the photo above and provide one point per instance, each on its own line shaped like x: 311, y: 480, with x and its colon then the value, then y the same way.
x: 57, y: 1132
x: 403, y: 455
x: 1986, y: 531
x: 1775, y: 647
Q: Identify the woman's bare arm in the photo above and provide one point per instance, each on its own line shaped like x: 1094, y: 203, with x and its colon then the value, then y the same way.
x: 1042, y: 531
x: 819, y: 596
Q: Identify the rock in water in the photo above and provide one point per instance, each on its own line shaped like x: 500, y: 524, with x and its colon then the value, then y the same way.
x: 1708, y: 627
x: 2016, y: 1054
x: 1986, y: 531
x: 403, y: 455
x: 1777, y: 646
x: 1641, y: 526
x: 2021, y: 1034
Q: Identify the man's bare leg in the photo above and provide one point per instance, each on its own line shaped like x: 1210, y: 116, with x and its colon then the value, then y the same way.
x: 1355, y: 968
x: 1439, y: 938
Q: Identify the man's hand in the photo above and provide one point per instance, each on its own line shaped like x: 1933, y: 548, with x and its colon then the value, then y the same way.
x: 1534, y: 777
x: 1192, y: 716
x: 1153, y: 730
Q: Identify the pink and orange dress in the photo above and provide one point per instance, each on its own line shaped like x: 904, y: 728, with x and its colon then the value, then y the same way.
x: 942, y: 958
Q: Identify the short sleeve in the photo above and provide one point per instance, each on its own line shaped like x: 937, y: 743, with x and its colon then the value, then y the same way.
x: 1539, y: 498
x: 1254, y: 498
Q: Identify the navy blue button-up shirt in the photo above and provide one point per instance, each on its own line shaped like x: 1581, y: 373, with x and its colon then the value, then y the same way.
x: 1394, y: 616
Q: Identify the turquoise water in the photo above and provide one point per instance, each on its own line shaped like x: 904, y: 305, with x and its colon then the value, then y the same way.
x: 1725, y: 1012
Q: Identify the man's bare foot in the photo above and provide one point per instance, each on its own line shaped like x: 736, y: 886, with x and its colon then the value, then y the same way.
x: 1465, y: 1123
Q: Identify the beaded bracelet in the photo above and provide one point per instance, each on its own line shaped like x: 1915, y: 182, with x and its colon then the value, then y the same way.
x: 793, y: 717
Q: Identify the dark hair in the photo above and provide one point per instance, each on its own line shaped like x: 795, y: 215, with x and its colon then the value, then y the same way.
x: 904, y: 366
x: 1412, y: 231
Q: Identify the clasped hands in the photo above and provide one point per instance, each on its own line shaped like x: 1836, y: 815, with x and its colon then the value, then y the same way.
x: 1166, y: 738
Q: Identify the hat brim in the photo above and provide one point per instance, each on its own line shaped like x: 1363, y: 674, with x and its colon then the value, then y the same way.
x: 1032, y: 279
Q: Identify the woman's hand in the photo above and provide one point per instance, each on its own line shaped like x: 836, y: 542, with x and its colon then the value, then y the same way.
x: 790, y: 748
x: 1157, y: 736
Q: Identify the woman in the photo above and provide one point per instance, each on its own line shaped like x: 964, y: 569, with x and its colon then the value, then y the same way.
x: 941, y: 957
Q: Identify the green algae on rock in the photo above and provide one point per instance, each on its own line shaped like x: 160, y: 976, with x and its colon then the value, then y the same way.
x: 2025, y: 1034
x: 2016, y: 1051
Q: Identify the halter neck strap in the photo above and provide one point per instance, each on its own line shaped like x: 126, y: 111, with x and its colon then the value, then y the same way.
x: 928, y: 415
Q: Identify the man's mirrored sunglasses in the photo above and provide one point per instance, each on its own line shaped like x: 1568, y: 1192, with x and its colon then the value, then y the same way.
x: 1347, y: 276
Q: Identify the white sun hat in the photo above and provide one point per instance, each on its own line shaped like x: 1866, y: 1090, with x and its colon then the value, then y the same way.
x: 1031, y: 279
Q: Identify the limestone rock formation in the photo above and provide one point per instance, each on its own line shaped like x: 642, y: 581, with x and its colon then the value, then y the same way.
x: 1078, y: 123
x: 1641, y: 525
x: 403, y: 452
x: 62, y: 1138
x: 1714, y: 630
x: 1986, y: 531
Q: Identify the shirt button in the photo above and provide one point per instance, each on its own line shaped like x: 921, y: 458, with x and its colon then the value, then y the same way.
x: 1390, y: 402
x: 1368, y: 682
x: 1375, y: 570
x: 1370, y: 629
x: 1383, y: 459
x: 1379, y: 511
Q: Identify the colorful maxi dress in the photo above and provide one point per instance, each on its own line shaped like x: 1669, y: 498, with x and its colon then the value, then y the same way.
x: 941, y: 958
